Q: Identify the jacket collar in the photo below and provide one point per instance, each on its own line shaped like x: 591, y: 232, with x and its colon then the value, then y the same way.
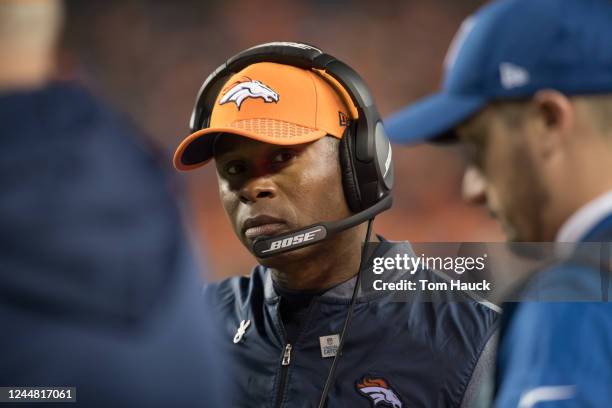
x: 580, y: 225
x: 344, y: 291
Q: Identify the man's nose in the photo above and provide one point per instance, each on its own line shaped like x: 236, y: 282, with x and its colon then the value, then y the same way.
x: 256, y: 189
x: 474, y: 187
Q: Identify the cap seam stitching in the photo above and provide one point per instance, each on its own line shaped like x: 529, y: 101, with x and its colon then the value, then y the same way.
x: 314, y: 86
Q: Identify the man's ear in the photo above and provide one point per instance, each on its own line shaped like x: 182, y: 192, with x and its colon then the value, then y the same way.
x: 555, y: 114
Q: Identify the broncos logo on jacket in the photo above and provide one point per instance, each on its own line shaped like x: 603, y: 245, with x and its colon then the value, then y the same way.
x: 245, y: 88
x: 379, y: 391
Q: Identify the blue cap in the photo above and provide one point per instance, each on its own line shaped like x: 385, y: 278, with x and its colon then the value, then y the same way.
x: 511, y: 49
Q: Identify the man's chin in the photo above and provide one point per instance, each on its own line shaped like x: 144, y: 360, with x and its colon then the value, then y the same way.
x: 513, y: 238
x: 528, y: 246
x: 515, y: 234
x: 280, y: 260
x: 512, y: 234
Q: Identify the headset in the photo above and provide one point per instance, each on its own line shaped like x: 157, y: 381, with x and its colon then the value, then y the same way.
x: 365, y: 151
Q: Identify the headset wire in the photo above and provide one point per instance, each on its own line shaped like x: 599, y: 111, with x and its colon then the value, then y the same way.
x: 332, y: 371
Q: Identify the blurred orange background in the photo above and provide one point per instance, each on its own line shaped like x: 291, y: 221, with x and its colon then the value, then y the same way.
x: 149, y: 59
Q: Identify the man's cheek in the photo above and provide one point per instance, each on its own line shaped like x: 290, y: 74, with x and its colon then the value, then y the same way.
x: 230, y: 202
x: 493, y: 203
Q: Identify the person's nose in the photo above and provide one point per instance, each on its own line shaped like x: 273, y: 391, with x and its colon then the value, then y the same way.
x: 474, y: 186
x: 257, y: 188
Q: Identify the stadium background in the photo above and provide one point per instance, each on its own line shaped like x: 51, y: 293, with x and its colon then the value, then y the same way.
x: 149, y: 58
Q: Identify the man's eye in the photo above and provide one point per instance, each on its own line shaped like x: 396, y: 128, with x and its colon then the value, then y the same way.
x: 283, y: 156
x: 234, y: 168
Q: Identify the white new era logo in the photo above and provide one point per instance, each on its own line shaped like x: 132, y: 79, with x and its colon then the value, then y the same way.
x: 512, y: 75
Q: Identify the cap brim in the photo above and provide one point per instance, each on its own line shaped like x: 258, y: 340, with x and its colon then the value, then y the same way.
x: 432, y: 118
x: 197, y: 148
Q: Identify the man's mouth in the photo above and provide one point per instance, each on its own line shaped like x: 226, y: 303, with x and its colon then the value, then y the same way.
x: 263, y: 225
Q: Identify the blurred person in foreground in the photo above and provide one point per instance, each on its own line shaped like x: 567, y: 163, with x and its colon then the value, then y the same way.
x: 98, y: 289
x: 283, y: 133
x: 528, y: 92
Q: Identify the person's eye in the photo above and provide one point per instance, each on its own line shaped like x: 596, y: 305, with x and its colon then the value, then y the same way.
x: 283, y: 156
x: 234, y: 168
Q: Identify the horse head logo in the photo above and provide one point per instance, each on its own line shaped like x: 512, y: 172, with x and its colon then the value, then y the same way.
x: 378, y: 391
x: 245, y: 88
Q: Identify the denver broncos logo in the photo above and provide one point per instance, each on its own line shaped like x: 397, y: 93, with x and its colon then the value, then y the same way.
x: 378, y: 391
x: 245, y: 88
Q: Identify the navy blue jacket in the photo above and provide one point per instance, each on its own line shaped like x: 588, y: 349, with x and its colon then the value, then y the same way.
x: 98, y: 289
x: 397, y: 354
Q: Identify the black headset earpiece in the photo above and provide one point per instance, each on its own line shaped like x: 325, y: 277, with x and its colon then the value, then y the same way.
x: 365, y: 154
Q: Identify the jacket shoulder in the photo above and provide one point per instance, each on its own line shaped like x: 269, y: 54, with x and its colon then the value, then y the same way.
x: 237, y: 291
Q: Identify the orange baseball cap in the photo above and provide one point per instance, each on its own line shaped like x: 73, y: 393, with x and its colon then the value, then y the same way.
x: 272, y: 103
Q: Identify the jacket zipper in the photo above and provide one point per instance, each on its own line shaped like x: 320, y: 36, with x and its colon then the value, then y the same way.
x: 286, y: 357
x: 283, y: 374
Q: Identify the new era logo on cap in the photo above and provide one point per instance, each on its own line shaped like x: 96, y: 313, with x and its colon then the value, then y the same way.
x: 512, y: 76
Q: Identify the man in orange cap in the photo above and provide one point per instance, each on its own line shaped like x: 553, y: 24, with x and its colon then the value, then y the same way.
x: 278, y: 134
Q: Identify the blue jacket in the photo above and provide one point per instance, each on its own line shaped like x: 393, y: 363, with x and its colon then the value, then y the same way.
x: 559, y: 354
x: 98, y: 289
x: 405, y: 354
